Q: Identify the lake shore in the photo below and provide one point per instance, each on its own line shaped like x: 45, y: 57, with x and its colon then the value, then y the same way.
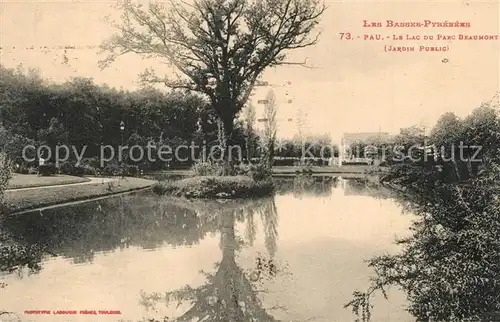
x: 33, y: 198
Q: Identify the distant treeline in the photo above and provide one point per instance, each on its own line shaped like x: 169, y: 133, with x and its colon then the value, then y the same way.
x: 458, y: 145
x: 81, y: 113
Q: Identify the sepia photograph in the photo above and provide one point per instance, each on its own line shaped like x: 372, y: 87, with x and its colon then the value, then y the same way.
x: 249, y: 161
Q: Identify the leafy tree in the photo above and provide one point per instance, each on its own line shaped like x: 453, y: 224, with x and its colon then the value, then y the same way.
x: 20, y: 95
x: 448, y: 130
x: 482, y: 128
x: 78, y: 112
x: 220, y: 47
x: 13, y: 144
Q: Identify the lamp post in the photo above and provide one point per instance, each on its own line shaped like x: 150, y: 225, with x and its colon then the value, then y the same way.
x: 122, y: 128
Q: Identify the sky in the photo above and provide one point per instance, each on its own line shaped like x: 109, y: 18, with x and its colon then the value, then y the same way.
x: 355, y: 86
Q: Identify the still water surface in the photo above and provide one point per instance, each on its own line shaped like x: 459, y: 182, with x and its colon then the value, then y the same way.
x: 295, y: 257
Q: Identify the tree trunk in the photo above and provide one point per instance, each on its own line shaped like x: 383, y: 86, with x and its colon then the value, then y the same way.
x: 226, y: 142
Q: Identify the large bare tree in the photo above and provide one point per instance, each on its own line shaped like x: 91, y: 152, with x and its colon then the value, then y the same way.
x: 219, y: 48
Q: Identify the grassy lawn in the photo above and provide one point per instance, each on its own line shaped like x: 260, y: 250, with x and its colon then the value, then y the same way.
x: 32, y: 180
x: 35, y: 198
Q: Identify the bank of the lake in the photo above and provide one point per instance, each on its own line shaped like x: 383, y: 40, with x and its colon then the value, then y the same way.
x: 23, y: 199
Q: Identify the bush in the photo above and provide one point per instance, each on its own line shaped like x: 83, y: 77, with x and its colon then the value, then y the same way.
x: 84, y: 169
x: 5, y: 174
x: 257, y: 172
x: 113, y: 169
x: 47, y: 169
x: 67, y: 168
x: 213, y: 187
x: 94, y: 162
x: 159, y: 188
x: 21, y: 168
x: 78, y: 170
x: 131, y: 171
x: 206, y: 169
x: 260, y: 172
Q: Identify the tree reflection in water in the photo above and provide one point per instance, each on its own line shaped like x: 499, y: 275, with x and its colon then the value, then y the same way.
x: 231, y: 293
x: 140, y: 220
x: 147, y: 221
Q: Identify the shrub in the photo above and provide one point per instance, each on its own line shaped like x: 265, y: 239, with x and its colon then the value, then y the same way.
x: 113, y: 169
x: 213, y: 187
x: 5, y: 174
x: 131, y: 170
x: 78, y: 170
x: 92, y: 162
x: 67, y: 168
x: 47, y: 169
x: 257, y: 172
x: 206, y: 169
x: 21, y: 168
x: 159, y: 188
x: 260, y: 172
x: 82, y: 169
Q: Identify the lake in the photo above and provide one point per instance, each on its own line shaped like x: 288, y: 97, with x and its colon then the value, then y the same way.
x: 295, y: 257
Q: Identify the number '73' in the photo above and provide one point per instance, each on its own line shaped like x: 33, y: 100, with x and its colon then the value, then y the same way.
x: 345, y: 35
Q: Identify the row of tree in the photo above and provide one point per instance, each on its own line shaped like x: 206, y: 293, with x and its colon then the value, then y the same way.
x: 457, y: 144
x: 80, y: 113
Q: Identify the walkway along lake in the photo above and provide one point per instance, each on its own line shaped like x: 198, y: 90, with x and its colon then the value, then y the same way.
x: 297, y: 256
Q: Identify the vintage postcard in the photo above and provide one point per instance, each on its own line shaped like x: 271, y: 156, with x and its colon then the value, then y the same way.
x: 249, y: 160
